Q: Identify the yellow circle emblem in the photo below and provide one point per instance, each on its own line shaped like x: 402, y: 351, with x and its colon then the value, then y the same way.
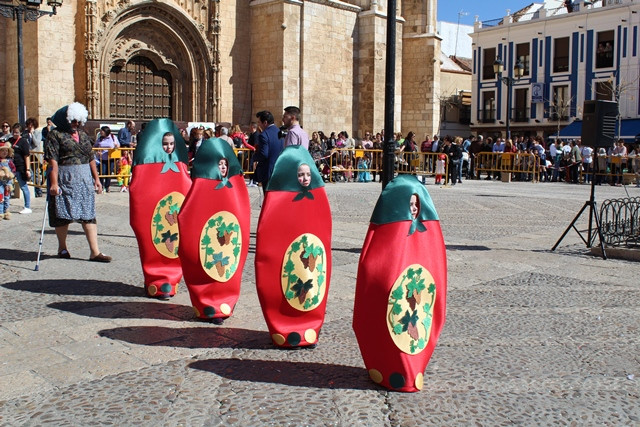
x: 410, y: 309
x: 304, y: 272
x: 220, y: 246
x: 164, y: 224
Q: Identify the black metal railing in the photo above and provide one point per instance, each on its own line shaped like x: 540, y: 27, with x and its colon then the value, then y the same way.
x: 620, y: 221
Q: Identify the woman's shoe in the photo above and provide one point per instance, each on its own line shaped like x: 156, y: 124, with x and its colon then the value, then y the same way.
x: 64, y: 254
x: 101, y: 258
x: 7, y: 215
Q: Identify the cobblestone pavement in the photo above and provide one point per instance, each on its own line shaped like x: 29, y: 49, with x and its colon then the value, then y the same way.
x: 532, y: 336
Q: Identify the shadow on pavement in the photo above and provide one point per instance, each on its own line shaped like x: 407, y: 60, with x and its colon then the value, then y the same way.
x: 302, y: 374
x: 20, y: 255
x: 77, y: 287
x: 467, y: 248
x: 196, y: 337
x: 126, y: 310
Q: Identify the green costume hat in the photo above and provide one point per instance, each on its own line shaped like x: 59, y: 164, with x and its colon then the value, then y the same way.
x: 393, y: 203
x: 285, y: 172
x: 205, y: 164
x: 149, y: 148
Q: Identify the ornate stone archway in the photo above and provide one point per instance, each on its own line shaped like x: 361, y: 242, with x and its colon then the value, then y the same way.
x: 176, y: 42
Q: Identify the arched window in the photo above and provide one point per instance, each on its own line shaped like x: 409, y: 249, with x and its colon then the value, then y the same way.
x: 140, y: 91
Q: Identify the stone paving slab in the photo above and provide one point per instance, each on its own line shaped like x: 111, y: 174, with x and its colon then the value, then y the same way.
x: 532, y: 336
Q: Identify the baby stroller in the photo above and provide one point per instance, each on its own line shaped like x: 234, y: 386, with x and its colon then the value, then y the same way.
x: 324, y: 169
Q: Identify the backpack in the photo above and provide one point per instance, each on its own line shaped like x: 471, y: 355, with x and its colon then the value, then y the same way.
x: 237, y: 141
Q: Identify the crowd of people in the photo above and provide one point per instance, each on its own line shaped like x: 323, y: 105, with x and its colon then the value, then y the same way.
x: 338, y: 156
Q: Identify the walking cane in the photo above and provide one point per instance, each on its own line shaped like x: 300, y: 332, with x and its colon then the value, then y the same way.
x: 44, y: 219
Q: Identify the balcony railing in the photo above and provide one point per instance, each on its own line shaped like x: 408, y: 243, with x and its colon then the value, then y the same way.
x: 520, y: 114
x: 487, y: 116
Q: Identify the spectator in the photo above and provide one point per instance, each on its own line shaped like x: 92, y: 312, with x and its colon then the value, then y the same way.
x: 295, y: 134
x: 107, y: 142
x: 125, y: 135
x: 22, y: 161
x: 269, y: 148
x: 5, y: 134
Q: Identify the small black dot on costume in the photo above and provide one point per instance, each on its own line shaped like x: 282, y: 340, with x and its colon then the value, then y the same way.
x: 396, y: 380
x: 165, y: 288
x: 294, y: 338
x: 209, y: 311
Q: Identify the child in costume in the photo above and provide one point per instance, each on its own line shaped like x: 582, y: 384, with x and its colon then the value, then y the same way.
x: 7, y: 174
x: 363, y: 173
x: 155, y: 197
x: 125, y: 171
x: 401, y: 287
x: 293, y: 251
x: 214, y: 226
x: 440, y: 168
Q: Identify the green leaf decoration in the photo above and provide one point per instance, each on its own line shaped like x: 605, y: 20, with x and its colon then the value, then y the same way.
x: 236, y: 251
x: 295, y: 246
x: 211, y: 223
x: 206, y: 240
x: 432, y: 288
x: 397, y: 329
x: 157, y: 218
x: 406, y: 319
x: 209, y: 251
x: 163, y: 203
x: 208, y: 265
x: 396, y: 309
x: 397, y: 293
x: 160, y: 227
x: 410, y: 273
x: 320, y: 276
x: 166, y: 235
x: 304, y: 240
x: 421, y: 343
x: 427, y: 323
x: 289, y: 267
x: 289, y: 295
x: 156, y: 240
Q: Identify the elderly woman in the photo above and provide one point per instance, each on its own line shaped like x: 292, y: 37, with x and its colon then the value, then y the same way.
x: 73, y: 179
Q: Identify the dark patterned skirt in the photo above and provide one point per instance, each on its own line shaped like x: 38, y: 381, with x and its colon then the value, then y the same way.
x: 77, y: 202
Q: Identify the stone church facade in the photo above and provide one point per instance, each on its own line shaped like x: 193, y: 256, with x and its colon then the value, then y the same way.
x: 224, y: 60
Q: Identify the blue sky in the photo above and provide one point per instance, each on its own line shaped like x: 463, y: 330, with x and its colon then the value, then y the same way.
x: 486, y: 10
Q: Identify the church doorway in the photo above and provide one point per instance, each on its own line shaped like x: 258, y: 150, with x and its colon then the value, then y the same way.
x: 140, y: 91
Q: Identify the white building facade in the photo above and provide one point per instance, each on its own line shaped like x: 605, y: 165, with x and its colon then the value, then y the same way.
x: 588, y: 53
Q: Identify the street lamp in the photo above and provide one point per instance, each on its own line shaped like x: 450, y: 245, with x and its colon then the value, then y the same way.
x: 27, y: 10
x: 518, y: 71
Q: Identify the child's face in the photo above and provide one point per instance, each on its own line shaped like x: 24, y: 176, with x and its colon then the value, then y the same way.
x: 222, y: 165
x: 168, y: 144
x: 4, y: 153
x: 414, y: 206
x: 304, y: 175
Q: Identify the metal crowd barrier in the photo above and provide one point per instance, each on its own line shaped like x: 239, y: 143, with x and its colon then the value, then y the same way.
x: 525, y: 166
x: 612, y: 169
x: 620, y: 221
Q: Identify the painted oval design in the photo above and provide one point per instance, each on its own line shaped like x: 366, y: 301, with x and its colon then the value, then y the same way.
x: 304, y: 272
x: 164, y: 224
x: 220, y: 246
x: 410, y: 309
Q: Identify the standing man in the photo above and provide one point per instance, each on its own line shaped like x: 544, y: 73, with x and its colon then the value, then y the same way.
x: 253, y: 142
x: 124, y: 134
x: 295, y: 134
x: 268, y: 150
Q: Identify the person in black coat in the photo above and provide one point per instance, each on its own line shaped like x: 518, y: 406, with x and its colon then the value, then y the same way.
x: 268, y: 149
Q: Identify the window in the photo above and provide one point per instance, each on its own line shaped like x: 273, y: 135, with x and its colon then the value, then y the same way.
x: 604, y: 49
x: 522, y: 55
x: 561, y: 103
x: 561, y: 55
x: 488, y: 112
x: 488, y: 59
x: 603, y: 91
x: 521, y: 110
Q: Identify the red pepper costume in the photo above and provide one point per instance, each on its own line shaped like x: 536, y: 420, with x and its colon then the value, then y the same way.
x: 401, y: 288
x: 159, y: 184
x: 214, y: 231
x: 293, y: 252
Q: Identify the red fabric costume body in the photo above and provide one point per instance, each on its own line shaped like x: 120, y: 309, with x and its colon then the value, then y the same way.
x: 293, y: 253
x: 214, y: 232
x: 400, y: 301
x: 156, y: 193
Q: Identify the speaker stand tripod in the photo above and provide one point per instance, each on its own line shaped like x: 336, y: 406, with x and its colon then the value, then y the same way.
x: 593, y: 215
